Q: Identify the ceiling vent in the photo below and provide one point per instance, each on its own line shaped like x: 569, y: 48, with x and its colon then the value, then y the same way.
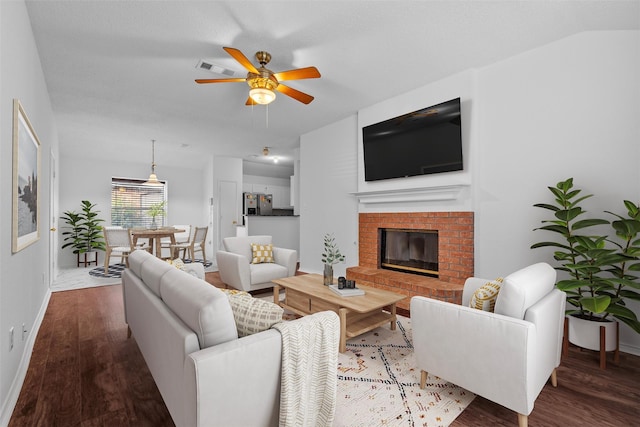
x: 204, y: 65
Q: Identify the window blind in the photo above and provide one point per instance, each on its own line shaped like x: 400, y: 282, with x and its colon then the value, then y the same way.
x: 131, y: 202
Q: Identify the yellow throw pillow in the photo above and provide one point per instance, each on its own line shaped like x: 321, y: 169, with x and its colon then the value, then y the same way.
x: 177, y: 263
x: 261, y: 253
x: 253, y: 315
x: 484, y: 298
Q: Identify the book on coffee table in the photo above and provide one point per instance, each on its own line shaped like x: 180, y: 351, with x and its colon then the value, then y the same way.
x: 351, y: 292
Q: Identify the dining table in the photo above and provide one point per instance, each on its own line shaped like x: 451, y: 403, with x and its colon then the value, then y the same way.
x: 155, y: 236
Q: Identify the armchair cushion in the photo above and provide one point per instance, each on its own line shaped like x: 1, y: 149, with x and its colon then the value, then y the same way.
x: 261, y: 253
x: 242, y: 245
x: 484, y: 298
x: 524, y: 288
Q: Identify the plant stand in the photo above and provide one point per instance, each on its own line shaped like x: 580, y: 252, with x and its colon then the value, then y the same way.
x: 85, y: 261
x: 602, y: 347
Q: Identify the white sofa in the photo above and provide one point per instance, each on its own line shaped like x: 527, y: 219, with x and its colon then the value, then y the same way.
x: 505, y: 356
x: 236, y: 269
x: 187, y: 334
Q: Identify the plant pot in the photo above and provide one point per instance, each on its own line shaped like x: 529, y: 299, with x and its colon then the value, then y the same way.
x: 328, y: 274
x: 586, y: 333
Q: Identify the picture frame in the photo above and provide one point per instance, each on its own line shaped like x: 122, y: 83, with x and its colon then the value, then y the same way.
x: 26, y: 176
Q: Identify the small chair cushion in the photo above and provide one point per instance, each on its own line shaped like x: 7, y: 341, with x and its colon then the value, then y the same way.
x: 253, y: 315
x: 484, y: 298
x: 525, y: 287
x: 261, y: 253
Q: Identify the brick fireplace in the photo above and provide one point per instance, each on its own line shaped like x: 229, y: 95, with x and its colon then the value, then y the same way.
x: 455, y: 254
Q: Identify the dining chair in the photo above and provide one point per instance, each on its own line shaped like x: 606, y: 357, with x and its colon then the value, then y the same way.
x: 183, y: 237
x: 118, y: 242
x: 197, y: 243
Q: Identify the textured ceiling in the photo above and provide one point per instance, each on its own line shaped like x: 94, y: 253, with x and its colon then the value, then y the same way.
x: 121, y: 73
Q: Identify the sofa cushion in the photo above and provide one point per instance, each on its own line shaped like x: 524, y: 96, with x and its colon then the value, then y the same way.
x: 525, y: 287
x: 484, y: 298
x: 242, y: 245
x: 136, y: 259
x: 253, y: 315
x: 261, y: 253
x: 152, y: 271
x: 202, y: 307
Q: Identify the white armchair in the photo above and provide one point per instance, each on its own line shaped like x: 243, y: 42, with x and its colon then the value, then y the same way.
x: 506, y: 356
x: 236, y: 269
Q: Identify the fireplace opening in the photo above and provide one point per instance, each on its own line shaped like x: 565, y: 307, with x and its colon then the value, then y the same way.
x: 409, y: 251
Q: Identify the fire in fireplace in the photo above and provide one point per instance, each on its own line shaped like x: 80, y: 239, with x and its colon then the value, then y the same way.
x: 410, y: 251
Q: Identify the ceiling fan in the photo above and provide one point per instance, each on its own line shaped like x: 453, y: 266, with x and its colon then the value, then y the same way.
x: 263, y: 81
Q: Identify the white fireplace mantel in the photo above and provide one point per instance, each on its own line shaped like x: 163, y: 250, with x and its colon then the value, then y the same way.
x: 423, y: 194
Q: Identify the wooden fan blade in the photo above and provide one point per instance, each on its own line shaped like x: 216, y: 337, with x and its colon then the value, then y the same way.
x: 250, y: 101
x: 298, y: 74
x: 200, y: 81
x: 295, y: 94
x: 239, y: 56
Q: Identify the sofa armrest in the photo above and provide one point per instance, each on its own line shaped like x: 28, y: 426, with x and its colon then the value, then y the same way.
x: 486, y: 353
x: 287, y: 258
x: 236, y: 383
x: 234, y: 270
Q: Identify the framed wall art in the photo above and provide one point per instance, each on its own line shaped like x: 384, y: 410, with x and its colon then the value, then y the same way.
x: 26, y: 177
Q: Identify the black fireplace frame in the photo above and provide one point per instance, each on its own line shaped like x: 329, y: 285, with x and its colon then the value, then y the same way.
x: 423, y: 268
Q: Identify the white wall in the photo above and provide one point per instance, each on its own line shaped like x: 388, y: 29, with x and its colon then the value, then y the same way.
x: 24, y: 276
x: 328, y: 177
x: 567, y: 109
x: 88, y: 179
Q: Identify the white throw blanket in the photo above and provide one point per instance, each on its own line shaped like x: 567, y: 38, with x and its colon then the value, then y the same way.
x: 309, y: 370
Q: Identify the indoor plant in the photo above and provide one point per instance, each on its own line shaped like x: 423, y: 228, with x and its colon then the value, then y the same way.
x: 599, y: 269
x: 155, y: 210
x: 85, y: 234
x: 330, y: 256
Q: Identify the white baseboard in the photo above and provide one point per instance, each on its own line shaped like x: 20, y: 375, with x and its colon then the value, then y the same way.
x: 630, y: 349
x: 18, y: 380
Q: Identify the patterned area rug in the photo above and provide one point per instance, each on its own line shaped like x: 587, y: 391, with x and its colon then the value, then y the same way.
x: 379, y: 385
x: 115, y: 270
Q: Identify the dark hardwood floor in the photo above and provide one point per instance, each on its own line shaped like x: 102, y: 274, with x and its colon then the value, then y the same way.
x: 85, y: 372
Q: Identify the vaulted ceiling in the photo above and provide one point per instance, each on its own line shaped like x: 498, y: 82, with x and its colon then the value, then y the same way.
x: 121, y: 73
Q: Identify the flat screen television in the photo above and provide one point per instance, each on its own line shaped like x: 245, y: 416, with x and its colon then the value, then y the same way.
x: 423, y: 142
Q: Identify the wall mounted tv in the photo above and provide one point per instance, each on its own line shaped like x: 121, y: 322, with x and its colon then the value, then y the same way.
x: 422, y: 142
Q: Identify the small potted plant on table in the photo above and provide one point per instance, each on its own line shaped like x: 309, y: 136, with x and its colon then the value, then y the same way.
x: 330, y: 256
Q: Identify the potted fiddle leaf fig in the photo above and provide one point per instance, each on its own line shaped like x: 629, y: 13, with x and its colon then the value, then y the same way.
x: 599, y: 271
x: 84, y: 232
x: 330, y: 256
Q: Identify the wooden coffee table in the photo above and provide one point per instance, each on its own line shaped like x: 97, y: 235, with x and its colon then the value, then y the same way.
x: 306, y: 294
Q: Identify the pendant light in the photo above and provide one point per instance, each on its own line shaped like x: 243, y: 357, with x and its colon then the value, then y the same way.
x: 153, y: 179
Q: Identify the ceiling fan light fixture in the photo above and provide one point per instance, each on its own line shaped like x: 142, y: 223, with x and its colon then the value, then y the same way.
x: 262, y: 96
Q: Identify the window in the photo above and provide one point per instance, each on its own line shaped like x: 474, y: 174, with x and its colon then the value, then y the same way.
x: 131, y: 202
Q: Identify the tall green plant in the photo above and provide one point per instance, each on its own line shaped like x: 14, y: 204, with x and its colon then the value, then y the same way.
x: 85, y: 231
x: 598, y: 274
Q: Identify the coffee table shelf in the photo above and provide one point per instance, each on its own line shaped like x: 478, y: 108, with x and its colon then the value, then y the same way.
x: 306, y: 294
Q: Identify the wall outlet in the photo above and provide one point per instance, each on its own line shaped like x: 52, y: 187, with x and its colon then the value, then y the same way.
x: 24, y: 331
x: 11, y: 339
